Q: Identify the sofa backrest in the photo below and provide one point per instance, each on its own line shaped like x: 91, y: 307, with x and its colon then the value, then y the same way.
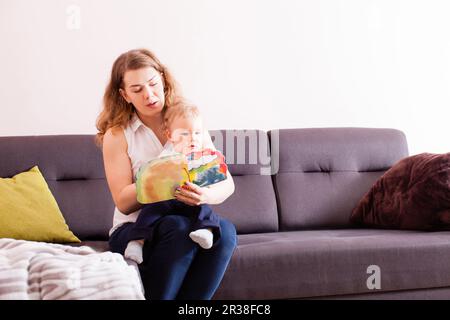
x: 320, y: 175
x: 252, y: 207
x: 72, y: 165
x: 73, y: 168
x: 324, y: 172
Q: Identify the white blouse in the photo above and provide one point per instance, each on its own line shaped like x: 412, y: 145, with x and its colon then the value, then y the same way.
x: 143, y: 145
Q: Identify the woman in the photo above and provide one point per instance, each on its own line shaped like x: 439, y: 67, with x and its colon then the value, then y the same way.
x: 130, y: 133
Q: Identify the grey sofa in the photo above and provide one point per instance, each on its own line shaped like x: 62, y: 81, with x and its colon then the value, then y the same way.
x: 294, y: 238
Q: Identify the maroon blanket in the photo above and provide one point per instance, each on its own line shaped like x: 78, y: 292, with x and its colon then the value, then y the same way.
x: 413, y: 194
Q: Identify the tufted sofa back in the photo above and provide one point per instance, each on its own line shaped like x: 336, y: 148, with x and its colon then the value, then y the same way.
x: 72, y: 165
x: 252, y: 207
x: 318, y: 175
x: 324, y: 172
x: 73, y: 168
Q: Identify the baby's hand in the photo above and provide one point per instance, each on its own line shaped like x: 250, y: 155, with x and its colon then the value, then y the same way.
x: 192, y: 194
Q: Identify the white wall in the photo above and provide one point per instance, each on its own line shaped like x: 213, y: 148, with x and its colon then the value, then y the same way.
x: 248, y: 64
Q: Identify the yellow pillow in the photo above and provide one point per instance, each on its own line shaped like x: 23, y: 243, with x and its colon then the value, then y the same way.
x: 28, y: 210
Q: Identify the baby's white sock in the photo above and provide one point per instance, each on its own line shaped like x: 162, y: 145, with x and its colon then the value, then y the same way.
x: 134, y: 251
x: 204, y: 237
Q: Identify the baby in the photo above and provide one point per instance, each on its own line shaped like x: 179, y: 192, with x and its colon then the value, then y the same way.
x: 184, y: 129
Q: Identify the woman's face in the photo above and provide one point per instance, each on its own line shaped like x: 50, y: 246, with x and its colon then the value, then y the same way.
x: 144, y: 88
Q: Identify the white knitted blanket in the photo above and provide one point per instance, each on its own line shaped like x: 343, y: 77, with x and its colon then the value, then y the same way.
x: 37, y: 270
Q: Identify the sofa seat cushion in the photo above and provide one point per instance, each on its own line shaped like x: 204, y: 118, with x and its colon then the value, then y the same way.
x: 296, y: 264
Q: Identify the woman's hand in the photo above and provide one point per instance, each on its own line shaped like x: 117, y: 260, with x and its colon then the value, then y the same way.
x: 192, y: 195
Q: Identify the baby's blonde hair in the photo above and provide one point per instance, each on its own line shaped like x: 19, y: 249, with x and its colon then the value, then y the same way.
x: 181, y: 108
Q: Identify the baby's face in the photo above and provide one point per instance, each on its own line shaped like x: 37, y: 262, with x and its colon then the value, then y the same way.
x: 186, y: 134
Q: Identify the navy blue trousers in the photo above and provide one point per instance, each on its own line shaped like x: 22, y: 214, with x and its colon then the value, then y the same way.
x: 174, y: 266
x: 201, y: 217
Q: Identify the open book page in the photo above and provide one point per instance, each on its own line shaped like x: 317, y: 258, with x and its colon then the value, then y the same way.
x: 158, y: 179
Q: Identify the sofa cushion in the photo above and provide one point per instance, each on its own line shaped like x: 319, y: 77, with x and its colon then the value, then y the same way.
x: 413, y: 194
x: 324, y: 172
x: 73, y: 168
x: 28, y: 210
x: 315, y: 263
x: 252, y: 207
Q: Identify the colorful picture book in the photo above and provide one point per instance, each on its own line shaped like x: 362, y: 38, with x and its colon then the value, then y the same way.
x: 157, y: 179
